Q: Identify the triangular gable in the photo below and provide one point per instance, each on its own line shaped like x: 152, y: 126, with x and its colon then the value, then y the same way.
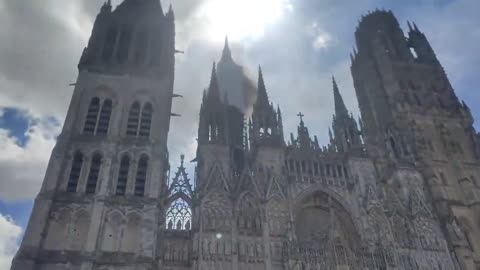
x: 216, y: 179
x: 275, y: 189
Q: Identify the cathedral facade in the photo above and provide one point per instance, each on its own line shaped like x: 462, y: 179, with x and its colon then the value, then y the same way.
x: 399, y: 189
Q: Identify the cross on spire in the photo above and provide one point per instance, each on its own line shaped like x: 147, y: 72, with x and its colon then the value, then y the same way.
x: 301, y: 115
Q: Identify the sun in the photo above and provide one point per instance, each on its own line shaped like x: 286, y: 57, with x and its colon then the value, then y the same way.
x: 241, y: 19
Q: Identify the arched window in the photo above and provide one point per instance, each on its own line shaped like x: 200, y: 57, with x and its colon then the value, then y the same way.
x: 146, y: 121
x: 104, y: 120
x: 141, y: 177
x: 75, y: 172
x: 109, y: 46
x: 93, y: 174
x: 179, y: 215
x: 133, y: 118
x: 124, y: 45
x: 123, y: 175
x: 92, y: 116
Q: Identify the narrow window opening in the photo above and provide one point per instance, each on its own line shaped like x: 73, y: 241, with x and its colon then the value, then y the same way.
x: 104, y: 120
x: 141, y: 176
x: 146, y: 121
x: 133, y: 119
x: 93, y: 174
x: 92, y: 116
x: 414, y: 52
x: 77, y: 164
x: 123, y: 175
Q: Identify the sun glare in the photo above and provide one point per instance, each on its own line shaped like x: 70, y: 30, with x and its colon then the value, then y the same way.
x: 241, y: 19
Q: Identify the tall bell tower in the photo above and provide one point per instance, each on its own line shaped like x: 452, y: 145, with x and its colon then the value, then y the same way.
x: 414, y: 120
x: 101, y: 202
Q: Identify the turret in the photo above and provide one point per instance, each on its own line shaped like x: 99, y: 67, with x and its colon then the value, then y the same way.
x: 212, y: 126
x: 420, y: 46
x: 346, y: 133
x: 267, y: 126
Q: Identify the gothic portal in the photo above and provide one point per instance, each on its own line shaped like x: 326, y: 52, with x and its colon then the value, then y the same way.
x: 397, y: 190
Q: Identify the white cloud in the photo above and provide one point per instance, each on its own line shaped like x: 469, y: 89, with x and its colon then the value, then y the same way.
x: 22, y: 169
x: 9, y: 234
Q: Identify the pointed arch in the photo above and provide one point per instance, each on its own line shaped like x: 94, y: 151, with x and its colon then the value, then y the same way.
x: 112, y: 231
x: 94, y: 173
x: 146, y: 120
x: 92, y: 116
x: 104, y: 119
x: 141, y: 177
x: 179, y: 215
x: 77, y: 164
x: 133, y: 119
x: 78, y: 230
x: 123, y: 171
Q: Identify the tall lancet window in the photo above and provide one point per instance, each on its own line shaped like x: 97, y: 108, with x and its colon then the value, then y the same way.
x: 123, y: 175
x: 93, y: 174
x: 140, y: 120
x: 75, y: 171
x: 104, y: 120
x: 146, y: 122
x: 98, y: 117
x: 133, y: 118
x: 179, y: 213
x: 141, y: 177
x: 92, y: 115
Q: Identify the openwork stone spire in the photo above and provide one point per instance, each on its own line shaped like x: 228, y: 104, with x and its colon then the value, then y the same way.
x: 179, y: 214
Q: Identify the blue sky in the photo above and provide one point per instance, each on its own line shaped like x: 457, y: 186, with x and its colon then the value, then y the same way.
x: 299, y: 47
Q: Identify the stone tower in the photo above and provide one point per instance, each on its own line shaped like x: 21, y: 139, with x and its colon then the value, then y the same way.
x: 101, y: 203
x: 413, y: 121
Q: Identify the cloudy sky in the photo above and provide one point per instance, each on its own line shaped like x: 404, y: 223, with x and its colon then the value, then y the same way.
x: 300, y: 44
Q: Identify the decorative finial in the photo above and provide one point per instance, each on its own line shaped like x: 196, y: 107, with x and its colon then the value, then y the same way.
x: 182, y: 159
x: 409, y: 26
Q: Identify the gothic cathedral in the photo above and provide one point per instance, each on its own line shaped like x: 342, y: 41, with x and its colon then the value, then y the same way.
x: 399, y: 189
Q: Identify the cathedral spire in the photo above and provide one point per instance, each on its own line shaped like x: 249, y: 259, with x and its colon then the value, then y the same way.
x: 262, y: 98
x: 227, y: 53
x: 340, y: 108
x: 213, y: 89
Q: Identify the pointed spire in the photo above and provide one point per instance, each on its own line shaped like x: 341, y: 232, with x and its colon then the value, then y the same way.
x: 409, y: 26
x: 213, y: 89
x: 170, y: 12
x: 226, y: 54
x: 262, y: 96
x: 107, y: 6
x: 340, y: 108
x: 415, y: 26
